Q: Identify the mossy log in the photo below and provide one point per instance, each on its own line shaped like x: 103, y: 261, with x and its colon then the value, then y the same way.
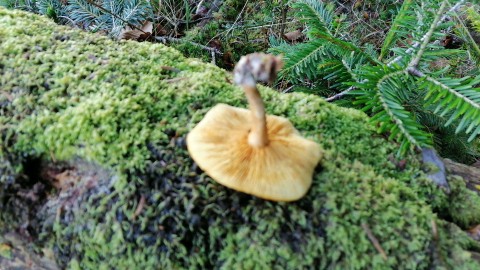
x: 116, y: 114
x: 469, y: 173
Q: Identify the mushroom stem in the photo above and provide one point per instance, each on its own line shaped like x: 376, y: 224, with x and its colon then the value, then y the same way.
x: 258, y: 134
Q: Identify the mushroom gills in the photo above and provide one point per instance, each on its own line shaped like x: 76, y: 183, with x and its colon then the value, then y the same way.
x: 280, y: 171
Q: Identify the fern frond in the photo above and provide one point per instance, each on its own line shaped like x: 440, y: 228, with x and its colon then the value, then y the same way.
x: 337, y: 72
x: 53, y: 9
x: 446, y: 141
x: 447, y: 54
x: 417, y: 34
x: 111, y: 15
x: 458, y: 97
x: 28, y: 5
x: 474, y: 17
x: 274, y: 42
x: 8, y: 3
x: 316, y: 14
x: 136, y: 11
x: 302, y: 59
x: 84, y: 13
x: 341, y: 46
x: 342, y: 72
x: 402, y: 18
x: 400, y: 123
x: 464, y: 32
x: 379, y: 95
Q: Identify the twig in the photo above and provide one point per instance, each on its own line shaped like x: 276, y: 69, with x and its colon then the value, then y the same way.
x: 428, y: 35
x: 141, y: 205
x: 178, y: 40
x: 452, y: 9
x: 374, y: 241
x: 411, y: 69
x: 213, y: 57
x: 238, y: 17
x: 434, y: 230
x: 288, y: 89
x: 416, y: 44
x: 114, y: 15
x: 340, y: 95
x: 70, y: 20
x: 199, y: 7
x: 283, y: 20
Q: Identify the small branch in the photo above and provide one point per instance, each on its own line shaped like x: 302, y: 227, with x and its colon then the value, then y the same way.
x: 411, y: 69
x: 140, y: 206
x: 178, y: 40
x: 452, y: 9
x: 199, y: 7
x: 283, y: 20
x: 416, y: 44
x: 434, y: 229
x: 70, y: 21
x: 340, y: 95
x: 213, y: 57
x: 428, y: 36
x: 374, y: 241
x: 288, y: 89
x: 91, y: 2
x: 415, y: 72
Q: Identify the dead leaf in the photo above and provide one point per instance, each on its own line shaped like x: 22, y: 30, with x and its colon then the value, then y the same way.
x: 147, y: 26
x: 140, y: 34
x: 215, y: 43
x: 228, y: 61
x: 62, y: 180
x: 19, y: 255
x: 160, y: 30
x: 294, y: 36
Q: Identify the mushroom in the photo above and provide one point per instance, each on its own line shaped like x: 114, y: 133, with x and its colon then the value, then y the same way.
x: 246, y: 150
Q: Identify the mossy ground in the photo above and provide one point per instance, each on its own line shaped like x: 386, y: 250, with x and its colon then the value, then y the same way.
x: 127, y: 106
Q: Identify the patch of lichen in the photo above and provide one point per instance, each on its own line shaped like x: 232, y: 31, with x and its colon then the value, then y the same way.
x: 73, y: 94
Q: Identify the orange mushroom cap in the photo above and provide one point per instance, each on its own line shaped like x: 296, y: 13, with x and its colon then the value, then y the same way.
x: 280, y: 169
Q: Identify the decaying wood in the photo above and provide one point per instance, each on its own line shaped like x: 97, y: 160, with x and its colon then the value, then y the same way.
x: 470, y: 174
x: 15, y: 254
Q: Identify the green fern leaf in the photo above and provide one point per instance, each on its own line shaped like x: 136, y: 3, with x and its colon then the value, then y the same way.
x: 392, y: 36
x: 83, y: 13
x: 379, y: 95
x: 316, y: 14
x: 342, y: 46
x: 464, y: 32
x: 457, y: 97
x: 302, y: 59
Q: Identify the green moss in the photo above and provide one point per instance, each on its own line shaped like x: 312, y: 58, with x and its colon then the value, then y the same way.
x: 464, y: 204
x: 73, y: 94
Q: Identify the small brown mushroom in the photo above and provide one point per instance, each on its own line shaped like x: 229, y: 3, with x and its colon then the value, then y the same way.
x: 246, y: 150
